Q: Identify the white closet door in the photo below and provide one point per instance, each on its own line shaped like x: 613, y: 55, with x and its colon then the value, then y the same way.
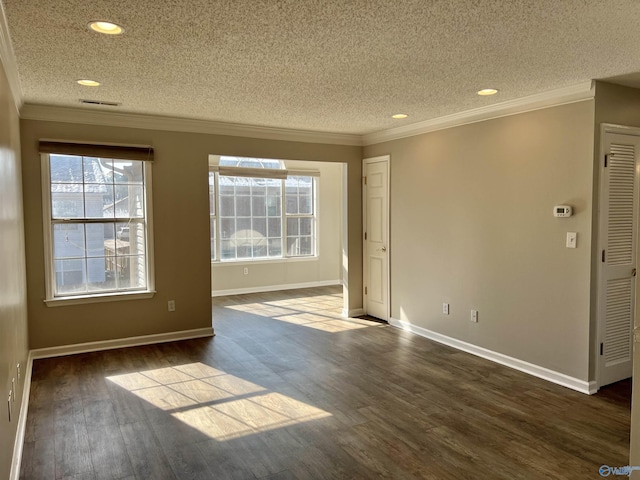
x: 618, y: 223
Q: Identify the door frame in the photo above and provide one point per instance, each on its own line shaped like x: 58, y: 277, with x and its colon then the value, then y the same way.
x: 609, y: 128
x: 365, y: 162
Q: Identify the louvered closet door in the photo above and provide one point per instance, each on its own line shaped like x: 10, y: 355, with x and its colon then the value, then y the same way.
x: 619, y: 212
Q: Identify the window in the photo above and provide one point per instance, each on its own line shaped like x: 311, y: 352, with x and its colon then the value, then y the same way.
x: 258, y: 210
x: 96, y: 215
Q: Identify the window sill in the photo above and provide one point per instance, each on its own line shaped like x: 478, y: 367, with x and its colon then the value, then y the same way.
x: 99, y: 298
x: 257, y: 262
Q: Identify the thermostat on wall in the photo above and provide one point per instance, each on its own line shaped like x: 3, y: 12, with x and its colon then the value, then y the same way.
x: 562, y: 211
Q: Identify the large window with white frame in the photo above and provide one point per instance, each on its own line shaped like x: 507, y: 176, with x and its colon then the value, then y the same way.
x: 259, y: 210
x: 97, y: 226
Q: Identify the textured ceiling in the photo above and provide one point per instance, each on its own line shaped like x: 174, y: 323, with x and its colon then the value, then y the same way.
x: 322, y: 65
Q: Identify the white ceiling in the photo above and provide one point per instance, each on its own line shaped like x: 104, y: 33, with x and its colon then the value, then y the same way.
x: 320, y: 65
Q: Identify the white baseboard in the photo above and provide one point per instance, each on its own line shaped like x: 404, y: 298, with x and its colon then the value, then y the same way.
x: 354, y: 312
x: 18, y: 445
x: 120, y: 343
x: 274, y: 288
x: 558, y: 378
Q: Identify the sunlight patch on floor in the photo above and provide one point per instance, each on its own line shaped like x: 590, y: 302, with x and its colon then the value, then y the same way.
x: 320, y: 312
x: 220, y: 405
x: 326, y: 324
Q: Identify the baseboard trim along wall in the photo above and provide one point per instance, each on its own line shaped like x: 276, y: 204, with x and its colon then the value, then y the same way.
x: 18, y: 445
x: 274, y: 288
x: 558, y: 378
x: 356, y: 312
x: 120, y: 343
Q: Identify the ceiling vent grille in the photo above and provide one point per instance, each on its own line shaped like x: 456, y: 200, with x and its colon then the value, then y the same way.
x: 100, y: 102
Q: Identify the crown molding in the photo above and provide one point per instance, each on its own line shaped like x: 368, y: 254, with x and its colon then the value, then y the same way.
x: 8, y: 60
x: 575, y: 93
x: 152, y: 122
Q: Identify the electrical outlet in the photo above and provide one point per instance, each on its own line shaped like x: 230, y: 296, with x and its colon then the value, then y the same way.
x: 171, y: 305
x: 474, y: 316
x: 445, y: 308
x: 246, y: 270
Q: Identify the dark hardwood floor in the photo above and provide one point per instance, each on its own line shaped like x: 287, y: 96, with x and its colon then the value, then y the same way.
x: 289, y: 390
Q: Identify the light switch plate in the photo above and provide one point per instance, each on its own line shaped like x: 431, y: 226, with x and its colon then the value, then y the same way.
x: 572, y: 239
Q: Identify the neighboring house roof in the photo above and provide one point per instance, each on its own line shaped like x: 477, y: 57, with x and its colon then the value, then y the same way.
x: 67, y: 175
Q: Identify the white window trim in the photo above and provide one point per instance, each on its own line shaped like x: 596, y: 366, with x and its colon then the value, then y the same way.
x: 50, y: 299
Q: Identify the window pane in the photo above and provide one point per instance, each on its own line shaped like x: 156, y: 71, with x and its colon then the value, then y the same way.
x: 212, y: 194
x: 129, y: 201
x: 299, y: 190
x: 259, y: 226
x: 68, y: 241
x: 65, y: 169
x: 97, y: 277
x: 259, y: 186
x: 70, y: 276
x: 243, y: 206
x: 130, y: 172
x: 97, y: 173
x: 292, y: 227
x: 212, y: 232
x: 292, y: 202
x: 248, y: 162
x: 227, y: 206
x: 243, y: 227
x: 258, y: 206
x: 133, y: 272
x: 306, y: 246
x: 67, y: 201
x: 275, y: 247
x: 274, y: 205
x: 300, y: 236
x: 227, y: 227
x: 275, y: 228
x: 96, y: 239
x: 305, y: 226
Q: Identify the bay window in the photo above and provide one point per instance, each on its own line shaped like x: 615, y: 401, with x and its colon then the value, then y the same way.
x: 258, y: 210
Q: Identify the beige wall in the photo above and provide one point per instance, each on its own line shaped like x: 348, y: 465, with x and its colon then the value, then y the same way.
x: 326, y: 267
x: 181, y: 230
x: 472, y: 225
x: 13, y: 301
x: 620, y: 106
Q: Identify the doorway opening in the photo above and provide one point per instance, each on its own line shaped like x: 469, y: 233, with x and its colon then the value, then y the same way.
x: 277, y: 225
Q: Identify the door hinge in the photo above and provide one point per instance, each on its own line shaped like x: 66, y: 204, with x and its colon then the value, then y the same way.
x: 601, y: 348
x: 365, y: 180
x: 603, y: 256
x: 606, y: 160
x: 365, y: 235
x: 365, y: 290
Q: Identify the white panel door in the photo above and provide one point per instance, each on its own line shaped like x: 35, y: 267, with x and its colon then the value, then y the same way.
x: 376, y: 237
x: 617, y: 282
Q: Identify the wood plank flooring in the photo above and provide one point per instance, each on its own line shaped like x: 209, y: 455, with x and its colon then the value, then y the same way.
x: 289, y: 390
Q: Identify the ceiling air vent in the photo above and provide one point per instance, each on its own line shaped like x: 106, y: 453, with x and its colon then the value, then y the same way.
x: 100, y: 102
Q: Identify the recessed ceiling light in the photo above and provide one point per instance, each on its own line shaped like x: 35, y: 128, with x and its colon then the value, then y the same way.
x: 399, y: 115
x: 107, y: 28
x: 487, y: 91
x: 88, y: 83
